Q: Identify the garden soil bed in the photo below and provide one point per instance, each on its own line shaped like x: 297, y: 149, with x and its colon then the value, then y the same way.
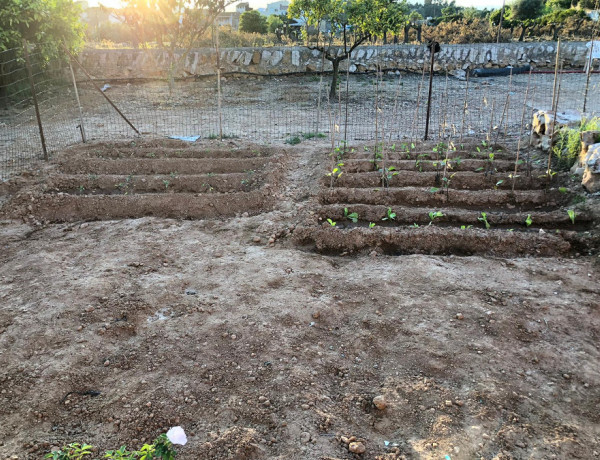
x: 113, y: 331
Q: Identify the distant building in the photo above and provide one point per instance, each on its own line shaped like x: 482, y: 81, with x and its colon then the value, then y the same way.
x: 277, y: 8
x: 232, y: 18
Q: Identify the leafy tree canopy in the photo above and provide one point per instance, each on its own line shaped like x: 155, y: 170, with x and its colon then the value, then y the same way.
x: 253, y: 22
x: 274, y: 22
x: 43, y: 22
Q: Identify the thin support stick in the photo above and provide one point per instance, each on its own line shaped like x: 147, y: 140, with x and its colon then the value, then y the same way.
x: 416, y: 117
x: 505, y: 110
x: 465, y: 105
x: 81, y: 127
x: 429, y: 95
x: 589, y: 74
x: 35, y: 101
x: 489, y: 134
x: 100, y: 91
x: 514, y: 176
x: 549, y: 172
x: 219, y: 110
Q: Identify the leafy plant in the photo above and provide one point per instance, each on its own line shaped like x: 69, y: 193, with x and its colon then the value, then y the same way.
x: 371, y: 224
x: 465, y: 227
x: 483, y: 219
x: 571, y: 214
x: 353, y: 216
x: 387, y: 174
x: 434, y: 215
x: 390, y: 215
x: 74, y: 451
x: 331, y: 222
x: 295, y: 140
x: 166, y: 184
x: 567, y: 143
x: 336, y: 172
x: 529, y: 220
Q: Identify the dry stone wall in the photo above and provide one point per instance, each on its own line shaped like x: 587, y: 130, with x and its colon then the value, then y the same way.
x: 128, y: 63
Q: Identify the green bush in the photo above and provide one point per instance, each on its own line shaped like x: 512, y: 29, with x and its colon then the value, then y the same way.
x: 568, y: 143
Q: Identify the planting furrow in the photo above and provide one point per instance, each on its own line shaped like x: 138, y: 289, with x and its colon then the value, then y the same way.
x: 458, y: 180
x: 432, y: 240
x: 413, y: 196
x: 353, y: 166
x: 162, y: 152
x: 343, y: 215
x: 98, y: 166
x: 65, y: 208
x: 89, y: 184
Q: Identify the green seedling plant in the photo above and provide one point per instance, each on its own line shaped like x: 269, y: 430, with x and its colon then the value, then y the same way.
x: 390, y: 215
x: 371, y: 224
x: 353, y: 216
x: 483, y: 219
x: 435, y: 215
x: 387, y: 174
x: 331, y: 223
x: 336, y: 173
x: 415, y: 225
x: 529, y: 220
x: 571, y: 215
x: 562, y: 189
x: 465, y: 227
x: 74, y: 451
x: 166, y: 183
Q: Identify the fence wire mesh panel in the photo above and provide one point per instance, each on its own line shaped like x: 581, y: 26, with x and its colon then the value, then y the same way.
x: 268, y: 109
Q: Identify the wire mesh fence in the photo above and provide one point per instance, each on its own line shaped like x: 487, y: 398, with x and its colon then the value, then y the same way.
x: 268, y: 109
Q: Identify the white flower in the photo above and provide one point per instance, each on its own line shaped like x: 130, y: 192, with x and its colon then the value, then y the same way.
x: 177, y: 436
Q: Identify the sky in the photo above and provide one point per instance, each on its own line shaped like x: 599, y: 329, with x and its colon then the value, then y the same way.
x: 262, y: 3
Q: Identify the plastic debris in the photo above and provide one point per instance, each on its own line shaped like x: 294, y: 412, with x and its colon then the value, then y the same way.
x: 185, y: 138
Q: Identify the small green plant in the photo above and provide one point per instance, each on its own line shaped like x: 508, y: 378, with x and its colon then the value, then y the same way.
x: 571, y: 214
x: 415, y: 225
x: 336, y: 172
x: 529, y: 220
x: 162, y: 448
x: 295, y: 140
x: 435, y: 215
x: 74, y: 451
x: 353, y: 216
x: 371, y: 224
x: 498, y: 184
x: 81, y: 189
x: 562, y: 189
x: 331, y: 222
x: 390, y: 215
x: 567, y: 145
x: 465, y: 227
x: 166, y: 184
x: 483, y: 219
x: 387, y: 174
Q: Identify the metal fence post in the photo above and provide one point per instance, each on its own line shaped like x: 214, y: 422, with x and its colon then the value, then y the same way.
x: 35, y: 101
x: 81, y: 127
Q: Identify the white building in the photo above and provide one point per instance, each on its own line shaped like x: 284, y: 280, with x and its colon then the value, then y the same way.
x: 277, y: 8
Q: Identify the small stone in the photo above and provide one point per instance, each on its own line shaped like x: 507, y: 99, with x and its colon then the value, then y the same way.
x: 190, y: 292
x: 459, y: 403
x: 305, y: 437
x: 460, y: 316
x: 256, y: 239
x: 106, y: 363
x: 448, y: 403
x: 316, y: 315
x: 345, y: 440
x: 89, y: 309
x: 305, y: 406
x: 357, y: 448
x: 566, y: 376
x: 379, y: 402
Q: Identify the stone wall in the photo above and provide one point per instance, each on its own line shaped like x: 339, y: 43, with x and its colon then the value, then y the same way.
x: 127, y: 63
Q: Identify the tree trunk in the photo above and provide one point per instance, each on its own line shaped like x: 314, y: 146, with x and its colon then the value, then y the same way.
x: 523, y: 30
x: 406, y: 30
x: 336, y: 70
x: 385, y: 38
x: 419, y: 30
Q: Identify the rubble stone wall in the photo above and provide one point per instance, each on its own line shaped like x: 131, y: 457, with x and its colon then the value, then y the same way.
x: 130, y: 64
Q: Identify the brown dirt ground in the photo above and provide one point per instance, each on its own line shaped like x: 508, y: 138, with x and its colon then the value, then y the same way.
x: 280, y: 351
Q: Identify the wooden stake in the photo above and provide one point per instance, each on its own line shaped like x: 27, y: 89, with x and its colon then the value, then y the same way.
x: 35, y: 101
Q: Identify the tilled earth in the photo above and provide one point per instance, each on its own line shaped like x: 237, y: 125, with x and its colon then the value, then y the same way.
x: 113, y: 331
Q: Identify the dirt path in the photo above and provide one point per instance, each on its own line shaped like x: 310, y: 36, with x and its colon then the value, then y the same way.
x: 265, y: 351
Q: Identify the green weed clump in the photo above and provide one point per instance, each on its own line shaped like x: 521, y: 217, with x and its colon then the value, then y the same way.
x: 568, y: 143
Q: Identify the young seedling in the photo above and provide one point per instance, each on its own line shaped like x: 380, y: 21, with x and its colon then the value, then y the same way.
x: 498, y: 184
x: 572, y: 215
x: 331, y: 222
x: 74, y: 451
x: 434, y: 215
x: 335, y: 173
x: 371, y: 224
x: 562, y: 189
x: 465, y: 227
x: 390, y: 215
x: 387, y: 174
x: 353, y: 216
x: 166, y: 184
x: 483, y: 219
x: 529, y: 220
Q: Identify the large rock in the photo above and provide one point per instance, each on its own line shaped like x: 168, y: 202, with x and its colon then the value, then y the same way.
x: 543, y: 125
x: 589, y: 161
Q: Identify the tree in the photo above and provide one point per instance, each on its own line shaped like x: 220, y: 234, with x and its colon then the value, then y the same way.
x: 352, y: 21
x: 43, y: 22
x: 173, y: 24
x: 253, y: 22
x: 525, y: 12
x: 414, y: 20
x: 274, y: 22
